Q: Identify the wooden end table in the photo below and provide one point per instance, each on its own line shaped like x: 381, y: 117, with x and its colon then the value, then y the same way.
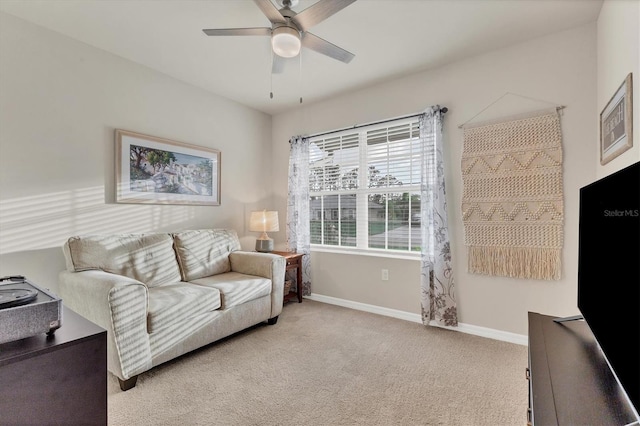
x: 294, y: 261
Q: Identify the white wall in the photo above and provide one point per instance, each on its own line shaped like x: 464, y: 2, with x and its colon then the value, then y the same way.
x: 560, y: 69
x: 618, y: 55
x: 60, y: 101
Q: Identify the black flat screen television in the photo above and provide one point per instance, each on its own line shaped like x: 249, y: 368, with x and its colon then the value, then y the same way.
x: 609, y: 272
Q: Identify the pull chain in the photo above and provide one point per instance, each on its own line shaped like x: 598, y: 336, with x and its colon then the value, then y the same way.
x: 300, y: 74
x: 271, y: 76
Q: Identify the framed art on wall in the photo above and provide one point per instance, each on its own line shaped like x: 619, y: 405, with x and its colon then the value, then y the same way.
x: 616, y: 123
x: 153, y: 170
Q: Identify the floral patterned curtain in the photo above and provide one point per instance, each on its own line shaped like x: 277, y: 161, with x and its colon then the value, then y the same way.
x: 298, y: 220
x: 436, y: 281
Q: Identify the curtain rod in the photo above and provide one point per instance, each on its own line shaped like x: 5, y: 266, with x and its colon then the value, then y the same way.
x: 357, y: 126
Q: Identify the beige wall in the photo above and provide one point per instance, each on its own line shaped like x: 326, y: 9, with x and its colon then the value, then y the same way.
x: 618, y: 55
x: 60, y: 101
x: 560, y: 69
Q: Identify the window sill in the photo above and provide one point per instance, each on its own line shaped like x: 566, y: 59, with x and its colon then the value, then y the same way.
x: 366, y: 252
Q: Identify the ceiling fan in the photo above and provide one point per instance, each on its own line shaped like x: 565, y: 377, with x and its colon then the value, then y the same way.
x: 289, y: 30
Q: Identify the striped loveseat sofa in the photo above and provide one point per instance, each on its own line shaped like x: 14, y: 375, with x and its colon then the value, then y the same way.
x: 161, y: 295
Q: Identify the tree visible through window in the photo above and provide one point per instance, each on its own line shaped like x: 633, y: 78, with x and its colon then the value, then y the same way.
x: 375, y: 209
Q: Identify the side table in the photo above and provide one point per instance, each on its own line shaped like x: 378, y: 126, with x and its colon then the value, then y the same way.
x: 294, y: 261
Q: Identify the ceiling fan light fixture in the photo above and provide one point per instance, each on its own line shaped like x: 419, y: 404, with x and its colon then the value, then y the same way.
x: 285, y: 41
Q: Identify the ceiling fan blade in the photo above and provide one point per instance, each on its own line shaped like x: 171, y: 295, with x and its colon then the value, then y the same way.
x: 319, y: 12
x: 277, y: 65
x: 314, y: 42
x: 238, y: 32
x: 270, y: 11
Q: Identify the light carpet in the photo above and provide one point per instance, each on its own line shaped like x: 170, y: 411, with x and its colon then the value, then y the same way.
x: 328, y: 365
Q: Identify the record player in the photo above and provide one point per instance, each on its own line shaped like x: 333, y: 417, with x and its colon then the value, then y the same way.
x: 26, y: 309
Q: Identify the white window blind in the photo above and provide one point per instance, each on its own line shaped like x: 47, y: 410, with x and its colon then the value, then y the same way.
x: 375, y: 209
x: 334, y: 163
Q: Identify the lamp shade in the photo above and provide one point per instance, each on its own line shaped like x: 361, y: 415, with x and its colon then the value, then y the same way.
x: 264, y: 221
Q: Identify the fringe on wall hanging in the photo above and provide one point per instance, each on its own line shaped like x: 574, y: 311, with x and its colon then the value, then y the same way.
x: 512, y: 201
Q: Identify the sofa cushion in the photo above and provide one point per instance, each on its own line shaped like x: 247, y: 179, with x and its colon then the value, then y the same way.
x: 171, y: 304
x: 236, y: 288
x: 148, y: 258
x: 202, y: 253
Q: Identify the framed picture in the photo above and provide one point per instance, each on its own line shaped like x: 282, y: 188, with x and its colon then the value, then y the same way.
x: 616, y: 123
x: 153, y: 170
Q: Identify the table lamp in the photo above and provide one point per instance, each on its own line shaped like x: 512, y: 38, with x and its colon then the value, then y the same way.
x: 264, y: 221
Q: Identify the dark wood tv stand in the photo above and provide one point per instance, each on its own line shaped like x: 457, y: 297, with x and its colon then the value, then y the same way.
x: 570, y: 382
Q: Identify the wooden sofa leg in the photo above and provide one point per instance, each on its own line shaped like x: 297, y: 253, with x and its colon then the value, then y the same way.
x: 125, y: 385
x: 272, y: 321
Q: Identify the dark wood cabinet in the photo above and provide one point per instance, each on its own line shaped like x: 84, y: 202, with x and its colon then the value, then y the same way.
x: 570, y: 382
x: 56, y: 380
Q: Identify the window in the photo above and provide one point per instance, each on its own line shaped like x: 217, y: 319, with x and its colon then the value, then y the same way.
x: 365, y: 187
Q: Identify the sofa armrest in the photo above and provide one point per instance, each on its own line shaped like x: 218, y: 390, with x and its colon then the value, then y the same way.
x: 119, y: 305
x: 265, y: 265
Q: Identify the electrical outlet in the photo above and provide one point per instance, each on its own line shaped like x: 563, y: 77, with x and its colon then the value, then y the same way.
x: 385, y: 275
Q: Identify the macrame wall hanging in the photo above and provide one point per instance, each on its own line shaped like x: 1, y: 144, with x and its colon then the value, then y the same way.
x: 512, y: 201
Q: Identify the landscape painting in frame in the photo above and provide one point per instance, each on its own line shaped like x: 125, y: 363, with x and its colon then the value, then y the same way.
x: 153, y: 170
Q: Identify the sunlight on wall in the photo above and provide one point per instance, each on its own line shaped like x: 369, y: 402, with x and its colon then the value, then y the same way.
x: 48, y: 220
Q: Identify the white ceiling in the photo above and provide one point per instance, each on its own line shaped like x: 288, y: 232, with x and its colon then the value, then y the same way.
x: 390, y: 38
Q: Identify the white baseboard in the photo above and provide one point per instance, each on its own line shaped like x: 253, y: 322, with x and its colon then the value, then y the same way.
x: 490, y: 333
